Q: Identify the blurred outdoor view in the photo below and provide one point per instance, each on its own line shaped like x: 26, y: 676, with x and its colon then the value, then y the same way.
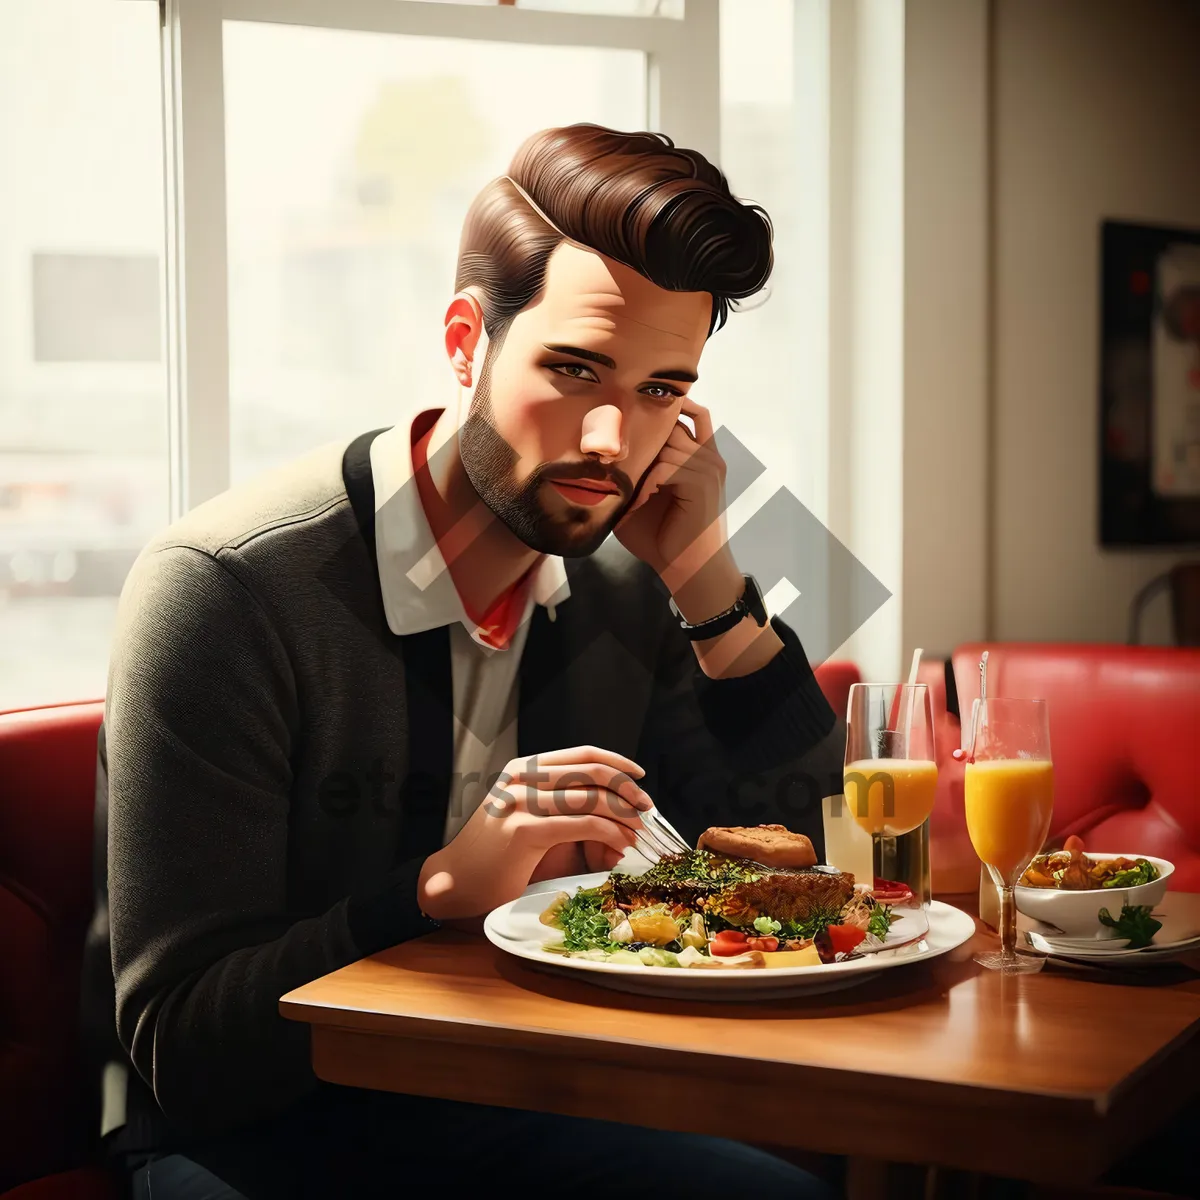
x: 83, y: 417
x: 351, y: 159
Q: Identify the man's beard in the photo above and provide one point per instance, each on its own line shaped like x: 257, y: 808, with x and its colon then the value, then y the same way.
x: 490, y: 461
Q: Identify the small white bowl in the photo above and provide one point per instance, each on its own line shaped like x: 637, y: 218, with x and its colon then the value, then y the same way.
x: 1077, y: 914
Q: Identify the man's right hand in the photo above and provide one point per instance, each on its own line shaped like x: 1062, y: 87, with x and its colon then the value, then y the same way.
x: 581, y: 794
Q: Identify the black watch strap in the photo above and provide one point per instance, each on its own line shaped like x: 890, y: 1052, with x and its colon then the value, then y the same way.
x: 748, y: 604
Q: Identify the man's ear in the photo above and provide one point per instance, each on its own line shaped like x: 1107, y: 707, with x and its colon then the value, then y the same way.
x: 464, y: 328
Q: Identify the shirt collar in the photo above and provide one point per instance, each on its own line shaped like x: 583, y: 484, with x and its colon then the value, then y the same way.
x: 418, y: 592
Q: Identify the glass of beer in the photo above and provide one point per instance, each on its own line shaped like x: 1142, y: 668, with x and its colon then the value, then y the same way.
x: 890, y: 778
x: 1008, y: 792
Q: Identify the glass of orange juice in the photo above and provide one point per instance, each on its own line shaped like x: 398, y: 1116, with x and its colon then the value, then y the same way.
x: 1008, y: 792
x: 890, y: 777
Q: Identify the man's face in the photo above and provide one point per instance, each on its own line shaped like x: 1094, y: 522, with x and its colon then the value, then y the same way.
x: 571, y: 411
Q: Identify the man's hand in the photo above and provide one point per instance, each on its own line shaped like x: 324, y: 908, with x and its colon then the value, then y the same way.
x: 676, y: 522
x: 575, y: 858
x: 581, y: 794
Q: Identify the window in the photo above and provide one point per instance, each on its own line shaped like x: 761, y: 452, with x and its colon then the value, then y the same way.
x: 83, y: 433
x: 327, y: 155
x: 347, y: 181
x: 96, y: 308
x: 330, y: 170
x: 348, y: 178
x: 751, y: 381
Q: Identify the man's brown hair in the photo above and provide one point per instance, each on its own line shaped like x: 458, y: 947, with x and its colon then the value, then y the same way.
x: 636, y: 197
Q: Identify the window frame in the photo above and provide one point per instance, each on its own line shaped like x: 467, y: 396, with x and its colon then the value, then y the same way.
x: 683, y: 94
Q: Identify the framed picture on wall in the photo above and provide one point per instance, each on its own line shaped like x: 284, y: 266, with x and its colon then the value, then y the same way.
x: 1149, y: 385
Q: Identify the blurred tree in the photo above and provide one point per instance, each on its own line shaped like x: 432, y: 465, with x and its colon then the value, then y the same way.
x: 419, y: 140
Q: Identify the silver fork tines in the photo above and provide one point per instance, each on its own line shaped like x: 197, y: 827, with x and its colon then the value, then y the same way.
x: 673, y: 836
x: 657, y: 838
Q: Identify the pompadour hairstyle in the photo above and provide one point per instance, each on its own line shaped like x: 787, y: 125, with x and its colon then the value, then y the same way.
x: 636, y: 197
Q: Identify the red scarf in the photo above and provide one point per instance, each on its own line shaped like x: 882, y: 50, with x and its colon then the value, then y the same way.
x: 500, y: 622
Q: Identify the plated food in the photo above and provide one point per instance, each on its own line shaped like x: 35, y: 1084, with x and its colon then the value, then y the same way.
x: 718, y: 908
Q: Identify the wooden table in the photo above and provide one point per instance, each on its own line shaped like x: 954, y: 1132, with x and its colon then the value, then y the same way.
x: 1042, y: 1077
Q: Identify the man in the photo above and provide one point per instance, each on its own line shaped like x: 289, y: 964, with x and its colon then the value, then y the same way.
x: 387, y: 686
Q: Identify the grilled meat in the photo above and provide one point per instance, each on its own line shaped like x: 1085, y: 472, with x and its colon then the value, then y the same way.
x: 734, y: 890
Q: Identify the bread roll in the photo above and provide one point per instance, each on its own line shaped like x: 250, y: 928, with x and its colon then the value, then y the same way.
x: 771, y: 845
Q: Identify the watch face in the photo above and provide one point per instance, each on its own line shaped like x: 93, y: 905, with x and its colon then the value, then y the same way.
x: 754, y: 600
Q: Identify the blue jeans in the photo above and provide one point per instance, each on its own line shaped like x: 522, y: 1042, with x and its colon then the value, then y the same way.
x: 370, y: 1144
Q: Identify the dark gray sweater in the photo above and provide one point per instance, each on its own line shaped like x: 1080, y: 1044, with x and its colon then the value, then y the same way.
x: 277, y: 767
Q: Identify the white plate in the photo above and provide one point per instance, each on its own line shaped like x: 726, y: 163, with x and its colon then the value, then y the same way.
x: 1086, y: 945
x: 1154, y: 954
x: 515, y: 929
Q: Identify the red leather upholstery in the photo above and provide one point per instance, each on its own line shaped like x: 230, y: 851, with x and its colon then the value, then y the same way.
x: 954, y: 865
x: 1123, y: 723
x: 88, y: 1183
x: 835, y: 680
x: 932, y: 673
x: 47, y: 788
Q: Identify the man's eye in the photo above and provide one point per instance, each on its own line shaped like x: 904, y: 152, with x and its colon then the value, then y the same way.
x: 575, y: 371
x: 660, y: 391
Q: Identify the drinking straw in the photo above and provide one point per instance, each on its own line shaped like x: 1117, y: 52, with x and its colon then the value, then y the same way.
x: 967, y: 753
x: 983, y: 661
x: 916, y: 665
x: 912, y: 699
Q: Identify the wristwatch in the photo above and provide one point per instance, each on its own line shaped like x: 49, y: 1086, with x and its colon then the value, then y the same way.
x: 749, y: 604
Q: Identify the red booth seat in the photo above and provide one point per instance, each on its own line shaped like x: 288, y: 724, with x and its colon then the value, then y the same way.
x: 87, y: 1183
x: 1122, y: 728
x: 47, y: 796
x: 835, y: 680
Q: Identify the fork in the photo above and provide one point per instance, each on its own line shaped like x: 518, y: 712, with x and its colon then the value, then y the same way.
x: 657, y: 837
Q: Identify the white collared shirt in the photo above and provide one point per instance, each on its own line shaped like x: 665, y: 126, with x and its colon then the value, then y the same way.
x: 419, y: 594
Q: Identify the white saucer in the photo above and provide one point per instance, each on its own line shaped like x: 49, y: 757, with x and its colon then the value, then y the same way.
x: 1112, y: 950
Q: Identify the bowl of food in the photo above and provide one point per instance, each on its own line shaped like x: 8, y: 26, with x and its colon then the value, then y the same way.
x: 1093, y: 895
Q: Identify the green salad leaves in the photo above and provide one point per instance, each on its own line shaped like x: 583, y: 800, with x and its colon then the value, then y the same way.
x: 880, y: 921
x: 1136, y: 923
x: 1143, y: 871
x: 584, y: 925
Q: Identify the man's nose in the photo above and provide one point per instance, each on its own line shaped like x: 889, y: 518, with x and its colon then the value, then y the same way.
x: 604, y: 433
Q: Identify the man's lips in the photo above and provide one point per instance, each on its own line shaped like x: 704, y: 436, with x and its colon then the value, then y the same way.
x: 584, y: 491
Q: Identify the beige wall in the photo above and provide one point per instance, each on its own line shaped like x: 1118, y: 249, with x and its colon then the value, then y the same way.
x: 907, y: 259
x: 1096, y: 113
x: 945, y: 576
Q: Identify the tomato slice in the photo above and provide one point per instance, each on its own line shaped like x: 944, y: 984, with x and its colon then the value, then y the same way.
x: 889, y: 891
x: 769, y: 944
x: 844, y: 938
x: 731, y: 935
